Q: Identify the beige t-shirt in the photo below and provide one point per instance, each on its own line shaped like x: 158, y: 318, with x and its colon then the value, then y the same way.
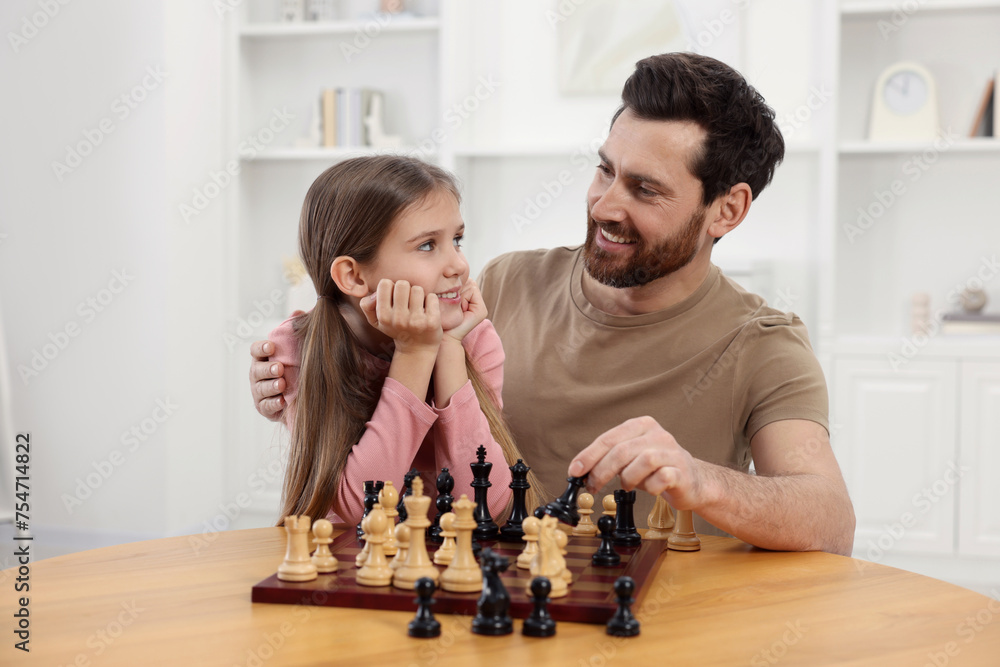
x: 712, y: 370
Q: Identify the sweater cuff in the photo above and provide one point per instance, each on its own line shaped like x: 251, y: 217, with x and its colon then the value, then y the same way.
x: 457, y: 403
x: 420, y: 409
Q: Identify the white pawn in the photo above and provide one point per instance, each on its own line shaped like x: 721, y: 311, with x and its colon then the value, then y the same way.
x: 403, y: 544
x: 446, y: 552
x: 323, y: 559
x: 376, y: 570
x: 610, y: 506
x: 387, y: 498
x: 362, y: 556
x: 530, y: 526
x: 586, y: 527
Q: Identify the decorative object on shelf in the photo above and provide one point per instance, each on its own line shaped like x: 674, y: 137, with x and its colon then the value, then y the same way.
x: 920, y: 313
x: 971, y: 319
x: 973, y: 299
x: 301, y: 294
x: 391, y: 6
x: 985, y: 122
x: 321, y: 10
x: 904, y: 104
x: 377, y: 138
x: 293, y: 11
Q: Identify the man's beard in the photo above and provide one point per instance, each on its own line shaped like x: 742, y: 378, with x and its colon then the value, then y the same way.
x: 645, y: 264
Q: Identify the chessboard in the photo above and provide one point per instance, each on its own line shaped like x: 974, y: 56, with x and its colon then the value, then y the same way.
x: 591, y: 598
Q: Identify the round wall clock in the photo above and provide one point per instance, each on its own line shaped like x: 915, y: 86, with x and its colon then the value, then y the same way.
x: 904, y: 104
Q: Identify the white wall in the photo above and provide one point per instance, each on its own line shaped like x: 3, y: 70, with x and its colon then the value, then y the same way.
x: 67, y: 237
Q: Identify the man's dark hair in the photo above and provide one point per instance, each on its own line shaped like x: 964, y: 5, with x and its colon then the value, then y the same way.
x: 743, y: 144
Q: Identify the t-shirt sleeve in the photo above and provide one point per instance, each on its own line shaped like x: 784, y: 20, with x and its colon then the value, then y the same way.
x: 780, y: 375
x: 462, y: 427
x: 489, y: 282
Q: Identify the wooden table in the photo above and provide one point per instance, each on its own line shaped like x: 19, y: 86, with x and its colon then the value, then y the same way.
x: 186, y: 601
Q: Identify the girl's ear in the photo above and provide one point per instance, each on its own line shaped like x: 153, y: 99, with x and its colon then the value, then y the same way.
x: 346, y: 273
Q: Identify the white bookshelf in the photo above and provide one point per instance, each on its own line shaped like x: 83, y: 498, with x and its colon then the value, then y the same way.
x: 266, y: 30
x: 329, y: 154
x: 284, y: 66
x: 959, y: 146
x: 909, y: 405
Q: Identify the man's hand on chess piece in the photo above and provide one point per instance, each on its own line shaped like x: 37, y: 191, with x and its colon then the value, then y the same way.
x: 644, y: 456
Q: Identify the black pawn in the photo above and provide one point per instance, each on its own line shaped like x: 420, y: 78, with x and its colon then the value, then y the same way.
x: 625, y: 533
x: 606, y: 556
x: 407, y: 491
x: 371, y: 497
x: 512, y: 530
x: 486, y: 528
x: 623, y: 623
x: 493, y: 609
x: 564, y: 507
x: 424, y: 625
x: 539, y: 623
x: 445, y: 483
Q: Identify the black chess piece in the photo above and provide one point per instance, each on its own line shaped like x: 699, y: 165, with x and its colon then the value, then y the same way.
x: 424, y: 625
x: 445, y: 483
x: 623, y: 623
x: 564, y: 507
x: 486, y: 528
x: 512, y: 530
x: 493, y: 608
x: 539, y: 623
x: 606, y: 556
x: 407, y: 491
x: 371, y: 497
x: 625, y: 533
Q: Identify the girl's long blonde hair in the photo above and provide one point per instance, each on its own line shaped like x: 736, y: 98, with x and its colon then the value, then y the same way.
x: 349, y: 210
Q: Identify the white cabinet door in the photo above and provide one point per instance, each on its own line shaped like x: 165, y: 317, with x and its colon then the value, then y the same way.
x: 896, y: 444
x: 979, y: 447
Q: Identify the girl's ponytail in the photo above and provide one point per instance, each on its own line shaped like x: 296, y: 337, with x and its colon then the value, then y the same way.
x: 332, y: 366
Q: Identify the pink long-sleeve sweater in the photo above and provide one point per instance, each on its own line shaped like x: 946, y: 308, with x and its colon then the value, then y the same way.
x: 405, y: 432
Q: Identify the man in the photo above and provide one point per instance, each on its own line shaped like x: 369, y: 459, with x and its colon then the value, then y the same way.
x: 638, y: 328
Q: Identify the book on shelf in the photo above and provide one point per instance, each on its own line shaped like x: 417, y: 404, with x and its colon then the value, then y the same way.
x: 970, y: 323
x: 987, y: 119
x: 344, y: 112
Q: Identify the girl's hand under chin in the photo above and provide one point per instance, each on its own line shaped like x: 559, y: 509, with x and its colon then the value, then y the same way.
x: 473, y: 309
x: 406, y: 314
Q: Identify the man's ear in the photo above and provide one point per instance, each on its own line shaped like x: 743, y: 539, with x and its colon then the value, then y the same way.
x: 732, y: 208
x: 346, y: 273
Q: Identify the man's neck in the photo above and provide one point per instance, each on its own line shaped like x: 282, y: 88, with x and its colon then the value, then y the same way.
x: 654, y: 296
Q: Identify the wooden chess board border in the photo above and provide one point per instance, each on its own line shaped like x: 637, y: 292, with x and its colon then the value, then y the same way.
x: 590, y: 599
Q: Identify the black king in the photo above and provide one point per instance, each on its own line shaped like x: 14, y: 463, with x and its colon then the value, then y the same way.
x: 486, y: 528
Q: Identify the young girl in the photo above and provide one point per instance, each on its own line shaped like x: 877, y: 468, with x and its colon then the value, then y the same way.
x: 396, y: 366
